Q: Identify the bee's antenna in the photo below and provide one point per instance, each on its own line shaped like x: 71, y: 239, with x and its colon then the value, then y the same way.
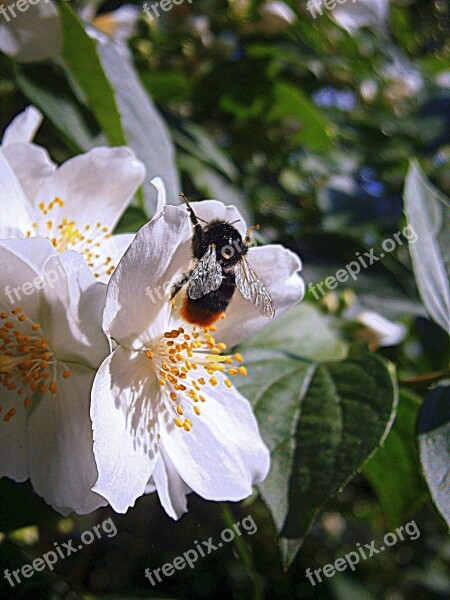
x: 190, y: 210
x: 194, y: 217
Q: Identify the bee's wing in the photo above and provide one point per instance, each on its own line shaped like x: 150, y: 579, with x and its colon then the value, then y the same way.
x: 207, y: 275
x: 252, y: 289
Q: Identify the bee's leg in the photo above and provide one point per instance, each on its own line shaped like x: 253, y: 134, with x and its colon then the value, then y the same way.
x: 180, y: 284
x: 248, y: 240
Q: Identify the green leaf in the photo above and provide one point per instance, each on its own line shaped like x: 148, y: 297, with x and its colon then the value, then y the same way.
x: 289, y: 101
x: 133, y: 219
x: 120, y: 104
x: 274, y: 385
x: 198, y: 143
x: 345, y: 414
x: 49, y: 91
x: 321, y: 420
x: 434, y: 445
x: 302, y: 331
x: 428, y: 213
x: 394, y: 471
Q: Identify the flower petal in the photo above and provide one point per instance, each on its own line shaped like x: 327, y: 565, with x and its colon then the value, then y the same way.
x: 59, y: 436
x: 137, y: 291
x: 125, y: 427
x: 23, y: 127
x: 20, y: 263
x: 110, y: 253
x: 16, y: 216
x: 172, y: 490
x: 31, y: 165
x: 96, y: 186
x: 278, y: 270
x: 71, y: 312
x: 223, y: 455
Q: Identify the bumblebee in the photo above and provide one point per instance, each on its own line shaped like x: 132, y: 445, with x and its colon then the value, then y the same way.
x: 220, y: 266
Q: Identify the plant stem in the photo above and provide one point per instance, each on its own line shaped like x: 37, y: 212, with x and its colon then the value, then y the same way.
x: 243, y: 553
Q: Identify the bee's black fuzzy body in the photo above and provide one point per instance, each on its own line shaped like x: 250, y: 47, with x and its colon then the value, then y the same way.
x: 229, y: 248
x: 219, y: 251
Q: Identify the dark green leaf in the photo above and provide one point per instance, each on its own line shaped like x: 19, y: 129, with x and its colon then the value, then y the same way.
x: 394, y: 471
x: 321, y: 421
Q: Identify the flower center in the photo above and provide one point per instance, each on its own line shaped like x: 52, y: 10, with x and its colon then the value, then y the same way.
x: 187, y: 360
x: 65, y: 234
x: 26, y: 361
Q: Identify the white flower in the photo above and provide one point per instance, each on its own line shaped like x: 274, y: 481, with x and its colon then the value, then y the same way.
x: 379, y: 330
x: 30, y: 35
x: 163, y: 404
x: 77, y: 205
x: 51, y: 343
x: 403, y: 79
x: 118, y: 24
x: 355, y: 14
x: 276, y: 16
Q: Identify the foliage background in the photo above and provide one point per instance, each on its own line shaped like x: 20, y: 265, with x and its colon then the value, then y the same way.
x: 305, y: 128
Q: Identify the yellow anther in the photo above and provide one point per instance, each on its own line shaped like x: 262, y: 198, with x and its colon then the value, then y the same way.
x: 178, y: 422
x: 243, y: 371
x: 197, y: 410
x: 228, y: 383
x: 238, y: 357
x: 180, y: 411
x: 213, y: 381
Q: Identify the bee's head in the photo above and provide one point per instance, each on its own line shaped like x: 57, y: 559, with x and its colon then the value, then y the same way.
x: 228, y: 241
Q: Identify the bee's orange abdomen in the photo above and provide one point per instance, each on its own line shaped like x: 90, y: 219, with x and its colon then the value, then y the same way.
x: 197, y: 315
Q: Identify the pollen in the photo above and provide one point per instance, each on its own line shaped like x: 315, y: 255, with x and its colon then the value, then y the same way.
x: 66, y: 234
x: 26, y: 362
x: 187, y: 361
